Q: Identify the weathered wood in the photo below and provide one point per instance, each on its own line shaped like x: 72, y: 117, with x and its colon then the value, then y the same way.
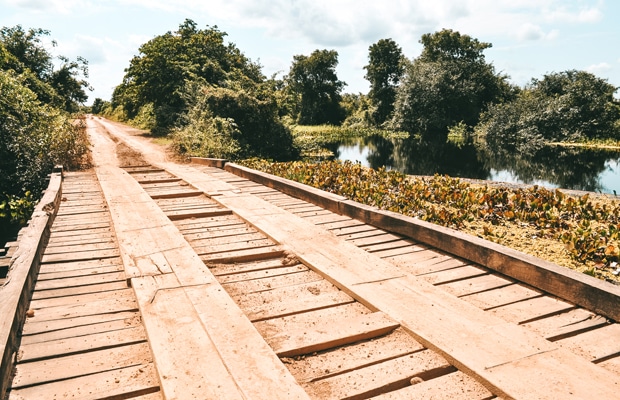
x: 76, y: 365
x: 566, y: 324
x: 16, y: 291
x: 452, y: 386
x: 188, y: 315
x: 589, y: 292
x: 291, y: 344
x: 68, y: 346
x: 597, y: 344
x: 83, y: 330
x: 271, y: 283
x: 383, y: 377
x: 34, y: 327
x: 491, y: 346
x: 531, y: 309
x: 321, y: 198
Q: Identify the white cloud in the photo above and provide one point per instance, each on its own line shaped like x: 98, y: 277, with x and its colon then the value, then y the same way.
x: 599, y: 68
x: 530, y: 31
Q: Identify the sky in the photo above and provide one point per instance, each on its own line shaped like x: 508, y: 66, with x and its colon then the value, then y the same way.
x: 530, y: 38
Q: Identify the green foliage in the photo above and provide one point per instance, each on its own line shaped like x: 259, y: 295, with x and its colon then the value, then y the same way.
x: 449, y: 83
x: 312, y: 139
x: 589, y: 229
x: 384, y: 71
x: 207, y: 136
x: 568, y: 106
x: 23, y: 52
x: 313, y: 82
x: 167, y: 62
x: 250, y: 126
x: 16, y: 210
x: 33, y: 137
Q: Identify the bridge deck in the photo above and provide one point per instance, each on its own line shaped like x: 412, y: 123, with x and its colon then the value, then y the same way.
x: 185, y: 281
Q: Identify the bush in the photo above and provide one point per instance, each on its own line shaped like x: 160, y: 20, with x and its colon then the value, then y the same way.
x: 33, y: 138
x: 236, y: 123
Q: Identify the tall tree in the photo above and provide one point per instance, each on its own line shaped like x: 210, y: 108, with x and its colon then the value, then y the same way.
x: 565, y: 106
x: 384, y: 71
x: 314, y: 82
x: 159, y: 73
x: 24, y: 53
x: 449, y: 83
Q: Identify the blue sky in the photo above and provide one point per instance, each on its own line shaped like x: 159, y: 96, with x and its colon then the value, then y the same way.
x: 530, y: 37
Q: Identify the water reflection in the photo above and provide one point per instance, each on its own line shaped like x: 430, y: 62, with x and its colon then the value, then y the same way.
x: 569, y: 168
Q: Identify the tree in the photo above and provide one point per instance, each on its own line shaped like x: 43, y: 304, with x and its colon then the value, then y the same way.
x: 157, y: 76
x: 23, y: 52
x: 566, y: 106
x: 449, y: 83
x: 314, y: 82
x: 384, y: 70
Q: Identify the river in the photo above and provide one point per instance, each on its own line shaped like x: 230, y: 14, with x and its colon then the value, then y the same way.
x: 551, y: 166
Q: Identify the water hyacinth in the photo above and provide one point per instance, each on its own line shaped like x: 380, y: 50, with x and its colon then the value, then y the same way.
x: 589, y: 229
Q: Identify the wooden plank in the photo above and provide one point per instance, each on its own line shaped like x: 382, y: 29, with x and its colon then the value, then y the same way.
x: 82, y: 330
x: 71, y: 229
x: 80, y: 239
x: 91, y: 279
x: 231, y: 230
x: 105, y: 269
x: 65, y: 292
x: 189, y: 365
x: 271, y: 283
x: 389, y: 247
x: 174, y: 216
x: 456, y: 385
x: 245, y: 255
x: 291, y: 344
x: 532, y: 309
x: 296, y: 322
x: 226, y: 248
x: 33, y: 327
x: 595, y: 345
x: 214, y: 242
x: 79, y: 265
x: 119, y: 383
x: 383, y: 377
x: 383, y: 286
x: 453, y: 274
x: 80, y: 256
x: 499, y: 297
x: 175, y: 194
x: 72, y: 297
x: 261, y: 273
x: 69, y: 233
x: 312, y: 289
x: 475, y: 285
x: 223, y: 270
x: 394, y: 252
x: 80, y: 248
x: 91, y: 308
x: 313, y: 368
x: 278, y: 309
x: 566, y: 324
x: 68, y: 346
x: 72, y: 366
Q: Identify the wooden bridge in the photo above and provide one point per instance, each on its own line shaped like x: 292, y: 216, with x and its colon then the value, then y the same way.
x: 155, y: 280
